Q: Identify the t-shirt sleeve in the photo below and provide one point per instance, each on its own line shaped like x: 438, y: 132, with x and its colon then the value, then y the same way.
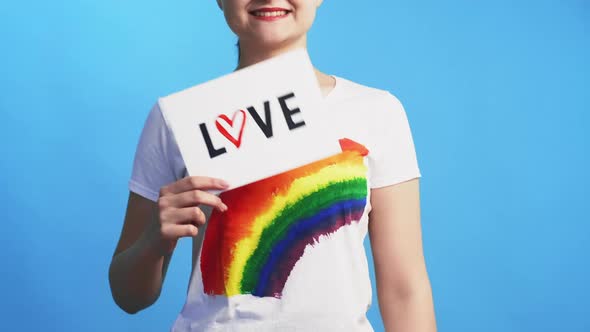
x: 157, y: 159
x: 394, y: 156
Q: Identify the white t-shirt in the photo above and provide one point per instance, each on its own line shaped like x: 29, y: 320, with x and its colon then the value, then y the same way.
x: 288, y: 254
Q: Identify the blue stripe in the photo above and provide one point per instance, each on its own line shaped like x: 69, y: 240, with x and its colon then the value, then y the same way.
x: 325, y: 221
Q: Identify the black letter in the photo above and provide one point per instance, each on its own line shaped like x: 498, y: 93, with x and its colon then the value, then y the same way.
x: 265, y: 126
x: 213, y: 152
x: 289, y: 113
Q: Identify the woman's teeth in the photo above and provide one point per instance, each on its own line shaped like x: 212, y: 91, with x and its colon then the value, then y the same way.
x: 270, y: 14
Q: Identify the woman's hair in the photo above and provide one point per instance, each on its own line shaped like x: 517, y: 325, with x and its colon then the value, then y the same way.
x: 238, y: 46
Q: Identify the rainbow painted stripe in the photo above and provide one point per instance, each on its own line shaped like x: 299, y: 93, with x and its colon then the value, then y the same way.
x: 254, y: 245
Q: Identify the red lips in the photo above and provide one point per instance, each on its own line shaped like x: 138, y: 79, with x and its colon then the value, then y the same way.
x: 269, y: 10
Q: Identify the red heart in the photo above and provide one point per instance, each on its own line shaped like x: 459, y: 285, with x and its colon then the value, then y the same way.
x: 236, y: 141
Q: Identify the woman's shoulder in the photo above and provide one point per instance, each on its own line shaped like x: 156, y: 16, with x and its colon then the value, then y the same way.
x: 350, y: 92
x: 349, y: 89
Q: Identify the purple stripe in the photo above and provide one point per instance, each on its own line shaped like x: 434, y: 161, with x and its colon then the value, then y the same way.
x: 301, y: 233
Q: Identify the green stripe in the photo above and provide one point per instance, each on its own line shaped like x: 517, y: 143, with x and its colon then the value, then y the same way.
x: 304, y: 208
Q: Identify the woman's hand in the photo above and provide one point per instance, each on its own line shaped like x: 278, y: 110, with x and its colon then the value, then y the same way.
x: 178, y: 212
x: 150, y: 232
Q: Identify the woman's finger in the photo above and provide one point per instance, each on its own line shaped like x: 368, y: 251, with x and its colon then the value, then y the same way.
x: 188, y: 215
x: 191, y: 183
x: 193, y: 198
x: 173, y: 232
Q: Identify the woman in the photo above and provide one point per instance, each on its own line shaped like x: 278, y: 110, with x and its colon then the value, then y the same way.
x: 326, y: 286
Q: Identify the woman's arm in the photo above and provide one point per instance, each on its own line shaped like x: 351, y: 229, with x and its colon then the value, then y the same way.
x: 403, y: 287
x: 138, y: 268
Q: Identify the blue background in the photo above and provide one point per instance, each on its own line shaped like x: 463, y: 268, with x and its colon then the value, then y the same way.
x: 497, y: 94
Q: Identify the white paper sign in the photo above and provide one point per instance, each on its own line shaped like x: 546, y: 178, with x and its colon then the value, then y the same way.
x: 253, y: 123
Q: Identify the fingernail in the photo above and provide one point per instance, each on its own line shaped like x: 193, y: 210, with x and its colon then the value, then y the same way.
x: 223, y: 183
x: 223, y: 207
